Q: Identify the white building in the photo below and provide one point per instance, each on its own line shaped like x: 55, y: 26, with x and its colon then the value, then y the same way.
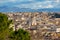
x: 58, y: 30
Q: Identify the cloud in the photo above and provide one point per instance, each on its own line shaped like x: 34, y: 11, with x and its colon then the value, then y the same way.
x: 33, y: 4
x: 36, y: 5
x: 7, y: 0
x: 57, y: 1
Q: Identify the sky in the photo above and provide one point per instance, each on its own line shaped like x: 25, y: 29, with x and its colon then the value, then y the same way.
x: 32, y: 4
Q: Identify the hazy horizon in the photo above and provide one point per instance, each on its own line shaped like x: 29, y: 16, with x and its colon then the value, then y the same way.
x: 34, y: 5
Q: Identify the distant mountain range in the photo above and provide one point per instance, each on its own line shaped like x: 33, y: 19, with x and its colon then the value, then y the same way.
x: 16, y: 9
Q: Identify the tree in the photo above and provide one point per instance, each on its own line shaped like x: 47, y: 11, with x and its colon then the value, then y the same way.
x: 19, y: 35
x: 4, y: 26
x: 9, y: 34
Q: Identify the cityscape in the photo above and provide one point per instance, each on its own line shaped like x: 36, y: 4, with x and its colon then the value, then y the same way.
x: 40, y: 25
x: 29, y: 19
